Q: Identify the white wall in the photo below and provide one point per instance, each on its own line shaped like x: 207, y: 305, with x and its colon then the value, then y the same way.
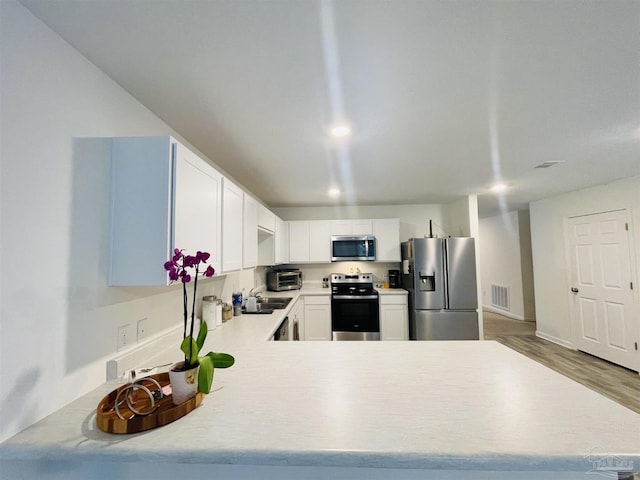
x: 501, y: 259
x: 58, y: 319
x: 551, y: 279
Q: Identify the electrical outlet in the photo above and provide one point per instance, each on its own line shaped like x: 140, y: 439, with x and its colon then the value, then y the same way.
x: 142, y: 329
x: 125, y: 336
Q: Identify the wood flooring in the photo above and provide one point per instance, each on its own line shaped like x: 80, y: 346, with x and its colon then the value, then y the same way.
x: 613, y: 381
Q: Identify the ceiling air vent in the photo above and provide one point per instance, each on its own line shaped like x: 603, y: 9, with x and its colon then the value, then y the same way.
x: 548, y: 164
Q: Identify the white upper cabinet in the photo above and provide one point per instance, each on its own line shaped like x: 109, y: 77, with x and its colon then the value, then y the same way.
x: 163, y: 197
x: 281, y: 242
x: 351, y: 227
x: 266, y: 219
x: 298, y: 241
x: 232, y: 223
x: 309, y: 241
x: 319, y: 241
x: 250, y: 232
x: 341, y: 227
x: 387, y: 233
x: 197, y: 200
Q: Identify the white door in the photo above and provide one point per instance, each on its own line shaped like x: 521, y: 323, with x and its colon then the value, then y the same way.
x: 604, y: 322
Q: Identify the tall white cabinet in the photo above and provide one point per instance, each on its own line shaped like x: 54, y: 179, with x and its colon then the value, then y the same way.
x: 160, y: 190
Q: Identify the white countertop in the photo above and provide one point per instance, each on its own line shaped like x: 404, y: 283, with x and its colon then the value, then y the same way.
x: 394, y: 405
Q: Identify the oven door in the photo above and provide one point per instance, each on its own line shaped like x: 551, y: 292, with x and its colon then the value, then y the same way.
x: 355, y: 317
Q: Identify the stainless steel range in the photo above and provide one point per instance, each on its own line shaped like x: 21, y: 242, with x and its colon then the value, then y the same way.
x: 355, y: 313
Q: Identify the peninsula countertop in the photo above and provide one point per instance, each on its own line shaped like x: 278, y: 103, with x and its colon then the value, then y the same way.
x: 399, y: 406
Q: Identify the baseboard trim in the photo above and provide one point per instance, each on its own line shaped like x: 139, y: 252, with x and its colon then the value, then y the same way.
x: 558, y: 341
x: 504, y: 313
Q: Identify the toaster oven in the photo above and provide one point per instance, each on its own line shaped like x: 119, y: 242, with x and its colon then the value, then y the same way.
x: 282, y: 280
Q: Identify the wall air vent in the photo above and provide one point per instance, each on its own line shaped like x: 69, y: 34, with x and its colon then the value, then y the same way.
x: 548, y: 164
x: 500, y: 296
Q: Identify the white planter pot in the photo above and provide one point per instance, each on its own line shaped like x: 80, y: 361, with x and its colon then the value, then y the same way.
x: 184, y: 384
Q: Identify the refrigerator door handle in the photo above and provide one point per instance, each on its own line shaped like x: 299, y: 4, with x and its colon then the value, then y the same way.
x: 445, y: 269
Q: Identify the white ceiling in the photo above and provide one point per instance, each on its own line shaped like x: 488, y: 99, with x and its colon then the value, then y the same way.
x: 444, y: 96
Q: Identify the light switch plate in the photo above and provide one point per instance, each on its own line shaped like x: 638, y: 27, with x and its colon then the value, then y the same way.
x: 142, y: 329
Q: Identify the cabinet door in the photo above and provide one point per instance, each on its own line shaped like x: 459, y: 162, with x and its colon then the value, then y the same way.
x: 387, y: 233
x: 319, y: 241
x: 250, y: 232
x: 394, y: 322
x: 362, y: 227
x: 341, y: 227
x: 196, y: 209
x: 317, y: 318
x: 298, y: 241
x: 232, y: 203
x: 281, y: 242
x: 266, y: 218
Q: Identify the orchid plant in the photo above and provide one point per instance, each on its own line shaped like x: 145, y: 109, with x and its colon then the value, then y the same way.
x: 179, y: 267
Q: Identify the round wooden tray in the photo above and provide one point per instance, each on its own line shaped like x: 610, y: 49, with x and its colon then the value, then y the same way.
x: 108, y: 421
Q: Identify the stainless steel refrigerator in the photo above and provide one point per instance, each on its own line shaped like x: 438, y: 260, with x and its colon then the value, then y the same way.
x: 440, y: 275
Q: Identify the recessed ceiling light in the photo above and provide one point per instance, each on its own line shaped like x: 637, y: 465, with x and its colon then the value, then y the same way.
x: 498, y: 187
x: 334, y: 192
x: 340, y: 130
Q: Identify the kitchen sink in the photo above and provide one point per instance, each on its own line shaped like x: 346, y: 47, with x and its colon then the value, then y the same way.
x: 275, y: 303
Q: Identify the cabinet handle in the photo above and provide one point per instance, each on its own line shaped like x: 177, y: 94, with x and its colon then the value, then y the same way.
x: 575, y: 290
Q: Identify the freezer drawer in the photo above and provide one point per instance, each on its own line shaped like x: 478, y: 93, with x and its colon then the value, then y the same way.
x: 444, y: 325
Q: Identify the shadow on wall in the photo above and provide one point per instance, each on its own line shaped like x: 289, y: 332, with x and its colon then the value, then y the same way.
x: 28, y: 382
x: 90, y: 326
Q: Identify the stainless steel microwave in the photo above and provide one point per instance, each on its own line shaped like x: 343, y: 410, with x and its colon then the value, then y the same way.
x: 350, y: 248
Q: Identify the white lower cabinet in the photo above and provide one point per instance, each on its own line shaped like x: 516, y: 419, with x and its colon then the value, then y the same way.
x: 394, y: 317
x: 317, y: 317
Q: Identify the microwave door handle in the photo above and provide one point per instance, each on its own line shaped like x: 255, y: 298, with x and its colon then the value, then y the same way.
x: 366, y: 248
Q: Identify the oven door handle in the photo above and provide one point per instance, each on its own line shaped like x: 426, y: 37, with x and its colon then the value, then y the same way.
x: 355, y: 297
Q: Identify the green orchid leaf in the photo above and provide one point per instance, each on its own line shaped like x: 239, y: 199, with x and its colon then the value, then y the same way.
x: 221, y: 360
x: 190, y: 350
x: 202, y: 335
x: 205, y: 374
